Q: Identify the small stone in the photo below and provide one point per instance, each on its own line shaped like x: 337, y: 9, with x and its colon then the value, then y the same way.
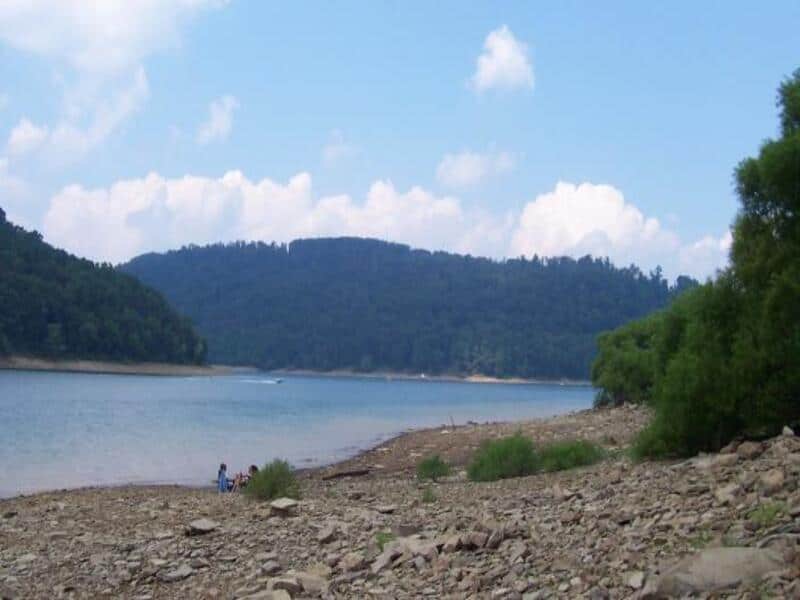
x: 353, y: 561
x: 386, y: 509
x: 772, y: 481
x: 749, y: 450
x: 452, y: 543
x: 178, y: 574
x: 201, y: 527
x: 727, y: 493
x: 635, y: 580
x: 271, y: 567
x: 283, y: 505
x: 327, y: 535
x: 787, y: 431
x: 405, y: 529
x: 289, y: 584
x: 476, y: 539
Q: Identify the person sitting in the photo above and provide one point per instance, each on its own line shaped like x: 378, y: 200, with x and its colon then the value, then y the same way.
x: 241, y: 480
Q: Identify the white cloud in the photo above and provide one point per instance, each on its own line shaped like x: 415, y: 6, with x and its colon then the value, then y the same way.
x: 96, y: 37
x: 220, y: 120
x: 468, y: 168
x: 96, y: 49
x: 337, y: 149
x: 156, y: 213
x: 25, y: 137
x: 71, y: 138
x: 576, y: 220
x: 504, y: 63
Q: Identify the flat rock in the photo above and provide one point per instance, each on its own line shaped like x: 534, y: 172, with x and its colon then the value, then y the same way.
x: 284, y: 504
x: 174, y: 575
x: 713, y: 569
x: 386, y: 509
x: 201, y: 527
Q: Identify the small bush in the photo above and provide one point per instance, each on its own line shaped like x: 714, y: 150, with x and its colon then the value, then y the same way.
x: 560, y: 456
x: 383, y: 537
x: 274, y: 480
x: 432, y: 468
x: 767, y: 514
x: 512, y: 456
x: 428, y: 496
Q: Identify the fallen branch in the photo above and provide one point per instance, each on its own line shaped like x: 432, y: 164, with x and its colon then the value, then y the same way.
x: 347, y: 473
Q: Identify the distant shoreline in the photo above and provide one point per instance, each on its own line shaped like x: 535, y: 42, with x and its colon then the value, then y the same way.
x: 477, y: 378
x: 27, y: 363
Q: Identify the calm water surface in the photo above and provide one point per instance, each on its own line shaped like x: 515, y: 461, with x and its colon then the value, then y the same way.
x: 70, y: 429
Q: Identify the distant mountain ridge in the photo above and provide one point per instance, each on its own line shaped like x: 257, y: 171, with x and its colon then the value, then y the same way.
x: 363, y: 304
x: 58, y: 306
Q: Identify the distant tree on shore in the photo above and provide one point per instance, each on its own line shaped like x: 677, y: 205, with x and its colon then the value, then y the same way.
x: 55, y: 305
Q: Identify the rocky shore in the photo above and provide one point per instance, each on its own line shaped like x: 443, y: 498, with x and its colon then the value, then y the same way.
x: 724, y: 525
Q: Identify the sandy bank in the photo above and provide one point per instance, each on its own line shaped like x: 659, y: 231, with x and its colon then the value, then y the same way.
x: 92, y: 366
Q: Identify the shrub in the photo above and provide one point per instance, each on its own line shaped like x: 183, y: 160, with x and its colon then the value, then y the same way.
x: 274, y: 480
x: 560, y: 456
x: 427, y: 495
x: 432, y: 468
x: 512, y: 456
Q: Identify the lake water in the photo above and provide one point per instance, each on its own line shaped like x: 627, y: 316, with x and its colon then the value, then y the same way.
x: 69, y: 429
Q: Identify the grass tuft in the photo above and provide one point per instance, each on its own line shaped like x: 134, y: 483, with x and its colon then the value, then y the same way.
x: 383, y: 537
x: 428, y: 496
x: 274, y: 480
x: 767, y: 514
x: 432, y: 468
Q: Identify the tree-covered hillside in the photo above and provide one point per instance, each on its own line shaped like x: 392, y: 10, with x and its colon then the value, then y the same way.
x: 55, y: 305
x: 363, y: 304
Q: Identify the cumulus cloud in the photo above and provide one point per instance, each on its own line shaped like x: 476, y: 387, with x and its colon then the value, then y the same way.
x: 96, y: 49
x: 219, y: 124
x: 156, y: 213
x: 469, y: 168
x: 504, y: 63
x: 576, y: 220
x: 337, y: 149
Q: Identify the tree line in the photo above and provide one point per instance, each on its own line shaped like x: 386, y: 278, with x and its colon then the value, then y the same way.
x: 366, y: 305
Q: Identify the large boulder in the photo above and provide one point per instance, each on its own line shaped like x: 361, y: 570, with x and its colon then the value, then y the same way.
x: 713, y: 569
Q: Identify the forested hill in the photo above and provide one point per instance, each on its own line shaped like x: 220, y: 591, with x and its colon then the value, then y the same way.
x: 363, y: 304
x: 55, y: 305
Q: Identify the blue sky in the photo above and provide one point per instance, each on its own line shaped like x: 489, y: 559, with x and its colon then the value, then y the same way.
x: 488, y: 128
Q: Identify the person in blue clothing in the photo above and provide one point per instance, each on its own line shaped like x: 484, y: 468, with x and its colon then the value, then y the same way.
x: 222, y: 478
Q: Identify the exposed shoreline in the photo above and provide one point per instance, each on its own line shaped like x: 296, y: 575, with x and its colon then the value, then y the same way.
x: 475, y: 378
x: 611, y: 530
x: 27, y: 363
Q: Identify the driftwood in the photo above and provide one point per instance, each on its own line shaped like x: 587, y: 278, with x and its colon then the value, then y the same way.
x: 345, y: 473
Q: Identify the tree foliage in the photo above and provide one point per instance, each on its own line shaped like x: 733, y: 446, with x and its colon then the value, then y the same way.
x: 724, y: 360
x: 55, y: 305
x: 368, y: 305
